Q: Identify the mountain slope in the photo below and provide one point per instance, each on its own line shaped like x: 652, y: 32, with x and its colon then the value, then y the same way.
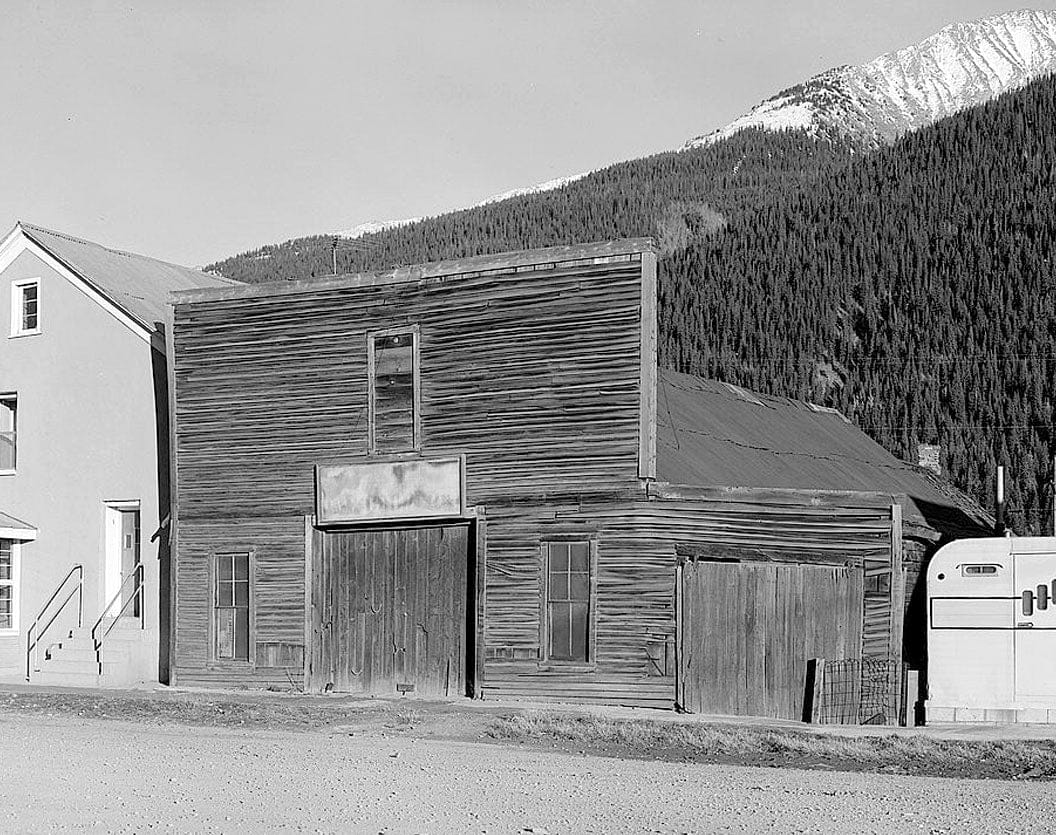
x: 962, y: 65
x: 913, y: 287
x: 915, y: 290
x: 664, y: 194
x: 373, y: 226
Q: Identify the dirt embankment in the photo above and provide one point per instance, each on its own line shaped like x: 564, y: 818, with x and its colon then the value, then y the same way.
x: 683, y: 740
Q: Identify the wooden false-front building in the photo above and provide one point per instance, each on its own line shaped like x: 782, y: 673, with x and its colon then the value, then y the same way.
x: 471, y: 478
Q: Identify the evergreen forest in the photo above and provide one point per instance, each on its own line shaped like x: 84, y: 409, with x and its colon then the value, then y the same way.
x: 911, y: 287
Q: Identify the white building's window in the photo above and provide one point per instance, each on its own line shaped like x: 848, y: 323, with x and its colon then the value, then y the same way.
x: 25, y: 307
x: 8, y: 432
x: 8, y: 586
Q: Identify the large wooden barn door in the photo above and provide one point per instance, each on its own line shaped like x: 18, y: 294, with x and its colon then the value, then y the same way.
x: 748, y: 629
x: 388, y: 611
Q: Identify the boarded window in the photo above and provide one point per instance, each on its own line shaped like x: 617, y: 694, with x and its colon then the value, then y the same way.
x: 7, y: 585
x: 231, y: 607
x: 394, y: 398
x: 568, y: 601
x: 8, y: 427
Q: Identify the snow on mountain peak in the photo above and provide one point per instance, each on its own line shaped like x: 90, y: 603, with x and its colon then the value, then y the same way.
x: 961, y: 65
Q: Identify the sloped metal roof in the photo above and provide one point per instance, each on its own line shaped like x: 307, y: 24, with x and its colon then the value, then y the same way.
x: 10, y: 527
x: 711, y: 433
x: 139, y: 285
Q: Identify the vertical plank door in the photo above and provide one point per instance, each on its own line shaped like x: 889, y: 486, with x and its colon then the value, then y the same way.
x: 748, y: 629
x: 389, y: 611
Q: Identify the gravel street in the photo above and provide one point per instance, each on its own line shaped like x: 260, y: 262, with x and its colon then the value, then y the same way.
x: 69, y: 773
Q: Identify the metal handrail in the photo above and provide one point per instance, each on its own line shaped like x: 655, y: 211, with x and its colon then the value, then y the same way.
x: 31, y: 641
x: 137, y: 593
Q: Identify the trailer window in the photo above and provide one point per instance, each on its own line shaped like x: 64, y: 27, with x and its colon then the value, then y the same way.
x: 978, y: 570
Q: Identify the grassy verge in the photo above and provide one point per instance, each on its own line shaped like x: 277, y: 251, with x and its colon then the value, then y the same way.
x: 205, y: 711
x: 916, y: 755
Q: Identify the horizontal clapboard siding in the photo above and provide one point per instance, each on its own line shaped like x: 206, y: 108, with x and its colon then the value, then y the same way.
x: 636, y: 553
x: 530, y: 366
x: 277, y: 546
x: 533, y: 375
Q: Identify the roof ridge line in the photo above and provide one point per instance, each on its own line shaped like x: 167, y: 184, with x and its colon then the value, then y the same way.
x: 122, y: 252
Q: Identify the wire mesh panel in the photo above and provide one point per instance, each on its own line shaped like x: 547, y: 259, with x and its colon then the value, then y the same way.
x: 856, y: 691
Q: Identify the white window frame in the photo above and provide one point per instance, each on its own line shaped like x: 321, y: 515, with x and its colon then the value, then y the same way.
x: 17, y: 302
x: 11, y: 396
x: 16, y: 583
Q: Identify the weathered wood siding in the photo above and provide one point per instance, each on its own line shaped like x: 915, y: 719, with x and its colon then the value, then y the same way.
x: 535, y: 371
x: 388, y: 611
x: 531, y: 370
x: 636, y: 554
x: 533, y: 375
x: 277, y: 632
x: 748, y: 630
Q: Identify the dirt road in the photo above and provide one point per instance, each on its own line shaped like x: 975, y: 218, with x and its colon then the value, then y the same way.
x: 65, y: 773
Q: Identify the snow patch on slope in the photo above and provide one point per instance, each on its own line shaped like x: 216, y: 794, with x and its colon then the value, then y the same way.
x: 960, y: 66
x: 372, y: 226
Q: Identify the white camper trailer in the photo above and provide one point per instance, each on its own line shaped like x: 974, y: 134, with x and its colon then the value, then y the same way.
x: 992, y: 631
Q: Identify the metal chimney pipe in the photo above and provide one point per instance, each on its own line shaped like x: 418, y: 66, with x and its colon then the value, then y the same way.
x: 999, y: 527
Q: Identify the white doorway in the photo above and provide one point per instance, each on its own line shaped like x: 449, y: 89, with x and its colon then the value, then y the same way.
x: 122, y: 551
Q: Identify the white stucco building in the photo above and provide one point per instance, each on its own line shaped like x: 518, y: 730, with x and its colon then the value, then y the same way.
x: 84, y: 458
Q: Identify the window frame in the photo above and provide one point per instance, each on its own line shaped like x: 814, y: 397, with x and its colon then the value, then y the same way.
x: 15, y: 583
x: 545, y: 661
x: 251, y: 651
x: 414, y: 331
x: 12, y: 397
x: 17, y: 306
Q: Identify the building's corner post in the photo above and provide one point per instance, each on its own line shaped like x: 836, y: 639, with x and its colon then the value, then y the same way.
x: 309, y: 619
x: 479, y: 603
x: 648, y: 370
x: 680, y: 675
x: 173, y: 604
x: 898, y: 604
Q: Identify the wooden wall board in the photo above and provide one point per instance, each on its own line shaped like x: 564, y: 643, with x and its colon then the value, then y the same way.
x: 749, y: 630
x: 389, y: 611
x: 535, y: 381
x: 636, y: 542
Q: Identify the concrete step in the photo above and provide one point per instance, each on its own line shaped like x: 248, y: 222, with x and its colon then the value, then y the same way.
x: 65, y: 679
x: 81, y: 632
x: 124, y: 635
x: 118, y: 624
x: 67, y: 654
x: 110, y: 654
x: 75, y: 644
x: 58, y: 664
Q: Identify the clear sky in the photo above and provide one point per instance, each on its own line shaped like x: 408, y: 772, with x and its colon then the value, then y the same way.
x: 196, y: 129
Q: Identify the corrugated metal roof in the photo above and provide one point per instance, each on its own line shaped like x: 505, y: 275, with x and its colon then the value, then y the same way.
x: 137, y: 284
x: 711, y: 433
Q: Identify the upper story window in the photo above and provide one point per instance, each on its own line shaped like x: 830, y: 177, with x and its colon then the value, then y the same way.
x: 25, y: 307
x: 8, y: 432
x: 394, y: 390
